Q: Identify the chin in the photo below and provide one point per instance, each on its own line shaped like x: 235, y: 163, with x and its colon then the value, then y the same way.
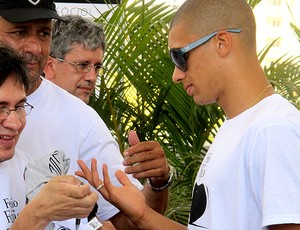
x: 198, y: 101
x: 203, y: 101
x: 6, y: 155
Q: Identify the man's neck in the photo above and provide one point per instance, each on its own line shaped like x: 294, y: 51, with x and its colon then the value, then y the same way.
x: 34, y: 86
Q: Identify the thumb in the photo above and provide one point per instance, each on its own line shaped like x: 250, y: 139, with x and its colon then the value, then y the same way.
x: 133, y: 138
x: 68, y: 179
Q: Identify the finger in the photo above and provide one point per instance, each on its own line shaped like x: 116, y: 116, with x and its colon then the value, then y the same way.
x: 106, y: 177
x: 142, y: 157
x: 147, y: 174
x: 73, y: 191
x: 85, y: 170
x: 122, y: 178
x: 147, y: 165
x: 87, y: 201
x: 80, y: 174
x: 105, y: 191
x: 151, y: 149
x: 133, y: 138
x: 95, y: 174
x: 68, y: 179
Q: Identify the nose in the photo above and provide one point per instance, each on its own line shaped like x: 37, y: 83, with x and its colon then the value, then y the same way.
x: 91, y: 75
x: 178, y: 75
x: 12, y: 121
x: 32, y: 45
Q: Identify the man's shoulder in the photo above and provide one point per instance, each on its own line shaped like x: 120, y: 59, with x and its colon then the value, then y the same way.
x: 70, y: 106
x: 67, y: 100
x: 277, y: 111
x: 54, y: 89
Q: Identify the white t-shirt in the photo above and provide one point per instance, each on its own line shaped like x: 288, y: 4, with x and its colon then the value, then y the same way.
x: 250, y: 177
x: 60, y: 121
x: 12, y: 189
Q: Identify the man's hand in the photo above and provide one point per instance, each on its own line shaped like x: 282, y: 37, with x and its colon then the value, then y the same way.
x: 127, y: 198
x: 146, y: 160
x: 64, y: 197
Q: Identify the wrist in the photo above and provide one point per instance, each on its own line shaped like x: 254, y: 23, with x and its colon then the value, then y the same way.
x: 38, y: 213
x: 143, y: 222
x: 29, y: 218
x: 162, y: 186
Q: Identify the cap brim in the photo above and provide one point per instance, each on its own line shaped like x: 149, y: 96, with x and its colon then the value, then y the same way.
x: 25, y: 14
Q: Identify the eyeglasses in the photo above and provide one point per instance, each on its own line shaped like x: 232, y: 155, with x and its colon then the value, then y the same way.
x: 179, y: 55
x: 21, y: 111
x: 82, y: 67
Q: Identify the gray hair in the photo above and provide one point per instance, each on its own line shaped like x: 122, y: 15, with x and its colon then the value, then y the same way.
x: 73, y: 31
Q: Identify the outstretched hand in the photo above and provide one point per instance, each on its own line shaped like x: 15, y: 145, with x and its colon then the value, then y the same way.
x: 128, y: 198
x: 92, y: 176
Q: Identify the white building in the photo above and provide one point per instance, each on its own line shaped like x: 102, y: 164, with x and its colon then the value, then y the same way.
x: 273, y: 18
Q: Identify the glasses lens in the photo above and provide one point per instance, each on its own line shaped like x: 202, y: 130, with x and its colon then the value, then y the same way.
x: 178, y: 59
x: 98, y: 67
x: 4, y: 112
x: 83, y: 67
x: 27, y: 109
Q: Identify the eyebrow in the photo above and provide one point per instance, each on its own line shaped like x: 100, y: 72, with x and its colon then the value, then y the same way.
x: 5, y: 103
x: 25, y: 26
x: 87, y: 62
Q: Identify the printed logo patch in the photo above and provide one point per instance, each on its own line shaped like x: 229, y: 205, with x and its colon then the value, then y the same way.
x: 34, y: 2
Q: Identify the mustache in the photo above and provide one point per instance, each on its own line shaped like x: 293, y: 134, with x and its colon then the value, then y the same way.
x: 87, y: 84
x: 31, y: 58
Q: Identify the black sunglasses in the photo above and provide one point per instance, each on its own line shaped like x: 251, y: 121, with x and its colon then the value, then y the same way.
x: 179, y: 55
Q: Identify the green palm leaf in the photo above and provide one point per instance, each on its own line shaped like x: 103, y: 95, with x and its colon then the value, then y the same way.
x: 136, y: 92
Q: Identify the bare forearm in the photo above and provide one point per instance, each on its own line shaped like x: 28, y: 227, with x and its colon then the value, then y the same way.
x: 285, y: 227
x: 158, y: 201
x: 151, y: 221
x: 156, y: 221
x: 28, y: 219
x: 122, y: 222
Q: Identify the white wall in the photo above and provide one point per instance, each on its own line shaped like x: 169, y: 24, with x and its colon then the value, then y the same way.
x: 83, y: 9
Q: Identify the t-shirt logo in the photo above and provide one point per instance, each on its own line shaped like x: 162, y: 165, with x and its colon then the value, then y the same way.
x: 34, y: 2
x: 199, y: 204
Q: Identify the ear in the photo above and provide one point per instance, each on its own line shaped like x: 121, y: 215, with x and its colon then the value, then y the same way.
x: 224, y: 42
x: 49, y: 68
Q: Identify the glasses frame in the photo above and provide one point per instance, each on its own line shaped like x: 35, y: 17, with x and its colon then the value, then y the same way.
x: 178, y: 55
x: 77, y: 64
x: 8, y: 110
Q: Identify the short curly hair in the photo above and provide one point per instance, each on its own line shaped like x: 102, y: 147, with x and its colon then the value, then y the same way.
x: 73, y: 31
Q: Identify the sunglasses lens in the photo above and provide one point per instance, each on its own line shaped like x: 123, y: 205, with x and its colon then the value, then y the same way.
x: 178, y: 59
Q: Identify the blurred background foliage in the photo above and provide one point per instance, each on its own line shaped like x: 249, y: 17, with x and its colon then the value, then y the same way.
x: 136, y: 92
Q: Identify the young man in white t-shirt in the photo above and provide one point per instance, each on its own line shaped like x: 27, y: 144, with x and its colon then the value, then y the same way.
x: 250, y: 177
